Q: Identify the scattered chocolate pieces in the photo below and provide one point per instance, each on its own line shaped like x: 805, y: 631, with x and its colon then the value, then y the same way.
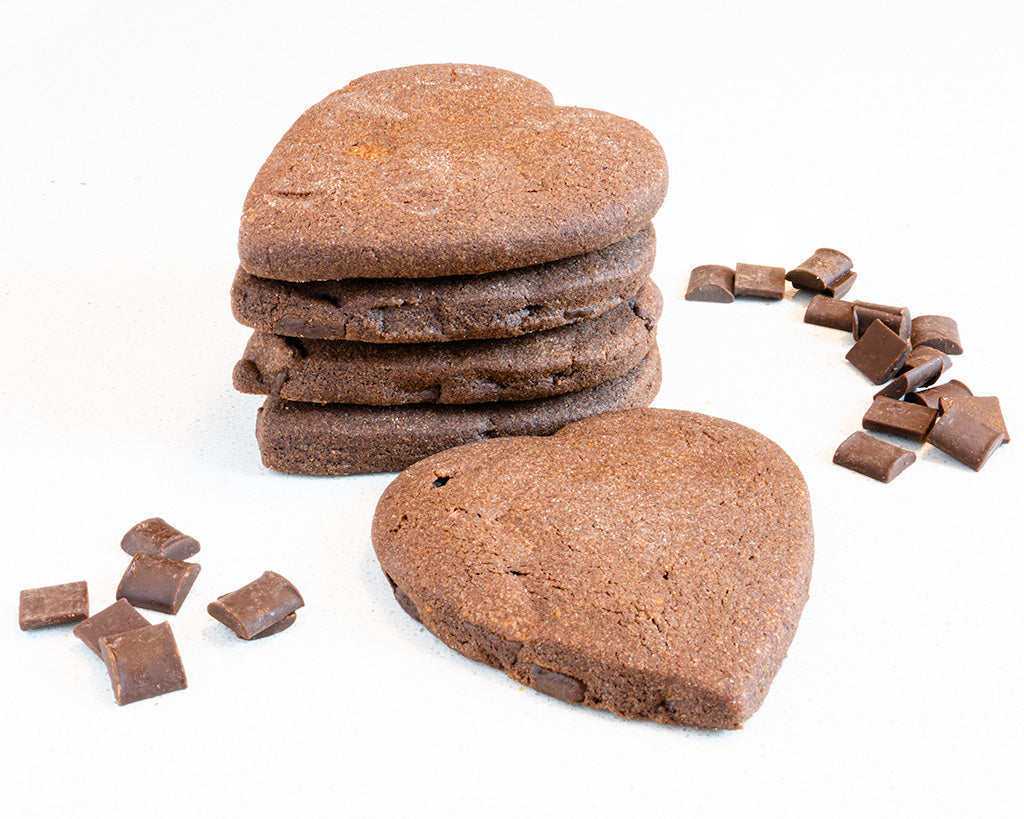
x: 257, y: 607
x: 873, y: 457
x: 53, y: 605
x: 157, y: 583
x: 143, y: 663
x: 985, y: 408
x: 879, y: 353
x: 940, y: 332
x: 899, y: 418
x: 711, y: 282
x: 115, y: 619
x: 156, y: 536
x: 759, y: 282
x: 965, y: 437
x: 826, y: 311
x: 931, y: 397
x: 824, y: 270
x: 896, y: 319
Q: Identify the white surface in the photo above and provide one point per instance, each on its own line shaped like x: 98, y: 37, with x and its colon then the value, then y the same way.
x: 891, y: 131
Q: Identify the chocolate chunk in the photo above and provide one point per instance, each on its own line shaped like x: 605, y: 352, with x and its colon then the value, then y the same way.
x: 922, y: 354
x: 143, y: 663
x: 554, y: 684
x: 157, y: 583
x: 826, y: 311
x: 873, y: 457
x: 879, y: 353
x: 53, y: 605
x: 896, y: 319
x: 156, y: 536
x: 115, y: 619
x: 258, y: 606
x: 842, y: 286
x: 932, y: 397
x: 940, y: 332
x: 916, y: 377
x: 899, y: 418
x: 711, y: 282
x: 823, y: 270
x: 759, y: 281
x: 985, y: 408
x: 965, y: 437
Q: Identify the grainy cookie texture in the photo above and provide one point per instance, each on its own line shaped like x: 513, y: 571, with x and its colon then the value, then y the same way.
x: 653, y: 563
x: 435, y: 170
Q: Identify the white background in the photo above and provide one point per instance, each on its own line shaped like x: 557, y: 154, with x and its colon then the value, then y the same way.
x: 892, y: 131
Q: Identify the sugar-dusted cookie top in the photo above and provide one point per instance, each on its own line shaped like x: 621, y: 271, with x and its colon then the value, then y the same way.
x: 650, y: 562
x: 437, y: 170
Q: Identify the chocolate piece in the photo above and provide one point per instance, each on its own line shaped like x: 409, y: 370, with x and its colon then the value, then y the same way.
x: 922, y: 354
x: 842, y: 286
x: 559, y: 686
x: 278, y: 627
x: 258, y: 606
x: 824, y: 269
x: 940, y: 332
x: 899, y: 418
x: 157, y: 583
x: 53, y: 605
x: 759, y: 281
x: 143, y: 663
x: 896, y: 319
x: 879, y: 353
x: 115, y: 619
x: 919, y: 376
x: 965, y: 437
x: 873, y: 457
x: 711, y: 282
x: 932, y: 397
x: 985, y: 408
x: 826, y: 311
x: 156, y: 536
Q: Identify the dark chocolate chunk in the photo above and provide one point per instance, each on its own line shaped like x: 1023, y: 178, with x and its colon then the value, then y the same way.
x: 896, y: 319
x: 879, y: 353
x: 873, y: 457
x: 899, y: 418
x: 842, y: 286
x: 115, y: 619
x: 711, y: 282
x: 143, y: 663
x: 759, y: 281
x: 157, y: 583
x: 258, y: 606
x: 965, y: 437
x: 922, y: 354
x: 826, y: 311
x: 940, y: 332
x: 931, y: 397
x: 53, y: 605
x: 823, y: 270
x: 919, y: 376
x: 156, y: 536
x: 555, y: 684
x: 985, y: 408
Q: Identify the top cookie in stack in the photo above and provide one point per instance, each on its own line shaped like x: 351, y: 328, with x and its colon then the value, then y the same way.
x: 438, y: 254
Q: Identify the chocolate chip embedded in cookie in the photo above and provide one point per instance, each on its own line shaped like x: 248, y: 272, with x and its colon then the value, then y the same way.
x: 653, y: 562
x: 436, y: 170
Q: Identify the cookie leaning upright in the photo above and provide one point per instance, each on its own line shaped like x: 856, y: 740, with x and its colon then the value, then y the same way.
x: 440, y: 170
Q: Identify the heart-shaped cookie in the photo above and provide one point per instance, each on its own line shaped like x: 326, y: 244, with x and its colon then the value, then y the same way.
x: 650, y: 562
x: 438, y: 170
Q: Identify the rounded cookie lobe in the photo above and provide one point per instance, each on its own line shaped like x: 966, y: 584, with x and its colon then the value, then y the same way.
x: 650, y: 562
x: 437, y: 170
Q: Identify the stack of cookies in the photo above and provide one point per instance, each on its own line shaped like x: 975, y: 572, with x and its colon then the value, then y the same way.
x: 438, y: 254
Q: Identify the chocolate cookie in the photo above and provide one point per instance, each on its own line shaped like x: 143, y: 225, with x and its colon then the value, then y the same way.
x: 653, y: 562
x: 450, y: 308
x: 436, y: 170
x: 565, y: 359
x: 348, y: 439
